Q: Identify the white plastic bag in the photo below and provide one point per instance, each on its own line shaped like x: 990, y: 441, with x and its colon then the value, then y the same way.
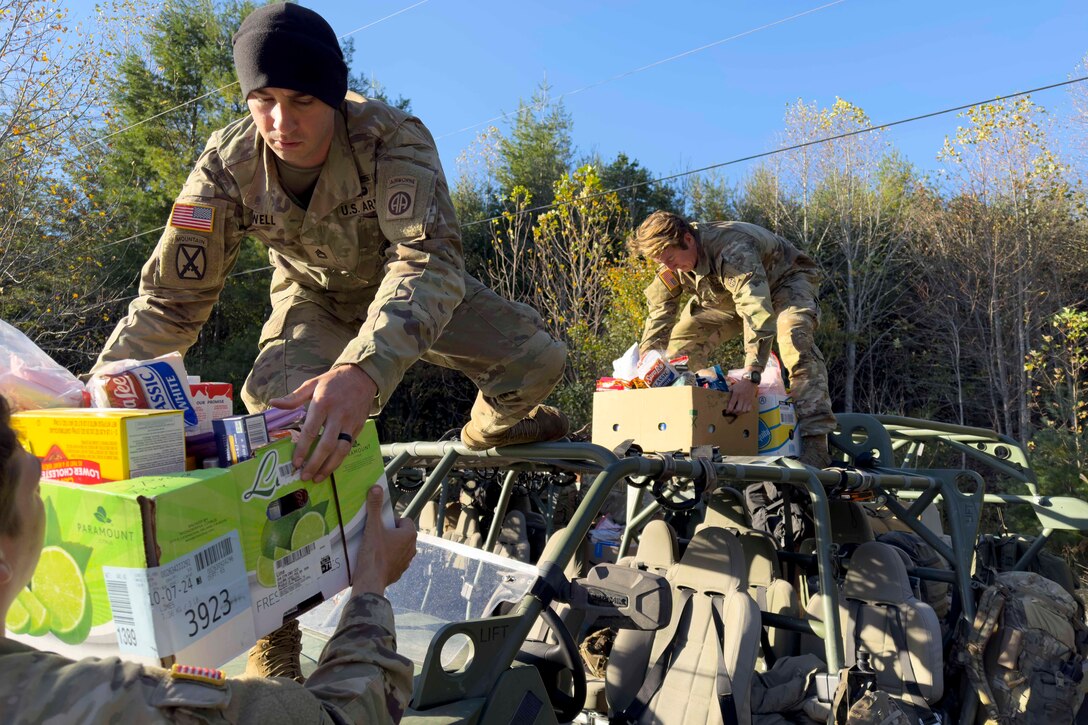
x: 30, y: 379
x: 624, y: 366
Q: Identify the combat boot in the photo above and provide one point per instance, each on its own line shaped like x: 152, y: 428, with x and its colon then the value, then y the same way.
x: 814, y: 451
x: 544, y: 423
x: 278, y: 654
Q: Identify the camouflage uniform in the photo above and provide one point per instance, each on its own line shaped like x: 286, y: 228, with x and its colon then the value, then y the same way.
x: 752, y: 281
x: 359, y: 679
x: 370, y: 274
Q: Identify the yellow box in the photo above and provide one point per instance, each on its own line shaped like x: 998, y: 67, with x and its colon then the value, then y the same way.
x: 96, y: 445
x: 777, y: 426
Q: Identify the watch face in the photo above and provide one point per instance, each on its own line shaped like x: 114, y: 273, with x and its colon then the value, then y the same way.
x: 753, y: 376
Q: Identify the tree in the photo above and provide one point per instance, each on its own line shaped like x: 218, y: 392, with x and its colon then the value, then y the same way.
x: 1011, y: 243
x: 1059, y: 372
x: 636, y: 189
x: 539, y: 150
x: 560, y: 266
x: 51, y: 76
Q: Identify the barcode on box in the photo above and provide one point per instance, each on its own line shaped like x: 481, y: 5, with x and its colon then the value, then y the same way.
x: 211, y: 554
x: 295, y: 556
x: 120, y: 602
x: 256, y: 431
x: 287, y: 473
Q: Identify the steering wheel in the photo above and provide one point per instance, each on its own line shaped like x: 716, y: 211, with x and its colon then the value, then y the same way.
x: 551, y: 660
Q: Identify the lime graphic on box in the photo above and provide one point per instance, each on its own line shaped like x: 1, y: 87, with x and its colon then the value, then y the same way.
x: 39, y: 615
x: 309, y: 529
x: 18, y: 619
x: 58, y: 585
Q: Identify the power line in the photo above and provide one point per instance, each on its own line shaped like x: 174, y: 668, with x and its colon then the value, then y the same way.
x: 656, y: 63
x: 794, y: 147
x: 731, y: 162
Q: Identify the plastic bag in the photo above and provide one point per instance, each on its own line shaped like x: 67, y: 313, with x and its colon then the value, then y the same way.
x: 770, y: 380
x: 30, y: 379
x: 624, y: 366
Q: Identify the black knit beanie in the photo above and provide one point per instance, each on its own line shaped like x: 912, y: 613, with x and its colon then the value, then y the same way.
x: 289, y: 46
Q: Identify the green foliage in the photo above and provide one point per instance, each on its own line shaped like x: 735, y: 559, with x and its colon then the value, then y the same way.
x: 539, y: 150
x: 646, y: 196
x: 1059, y: 370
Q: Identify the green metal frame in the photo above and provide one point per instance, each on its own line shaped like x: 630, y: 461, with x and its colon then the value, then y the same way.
x: 871, y: 442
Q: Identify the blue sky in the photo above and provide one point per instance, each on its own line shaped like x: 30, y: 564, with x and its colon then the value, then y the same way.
x: 462, y: 63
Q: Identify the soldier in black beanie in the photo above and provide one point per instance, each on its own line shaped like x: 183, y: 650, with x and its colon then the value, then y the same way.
x: 368, y: 277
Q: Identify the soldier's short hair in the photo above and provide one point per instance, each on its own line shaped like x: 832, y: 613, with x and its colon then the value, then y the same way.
x: 9, y: 475
x: 660, y: 230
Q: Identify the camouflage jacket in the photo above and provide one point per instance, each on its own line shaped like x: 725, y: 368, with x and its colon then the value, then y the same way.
x: 740, y: 267
x: 359, y: 679
x: 378, y: 240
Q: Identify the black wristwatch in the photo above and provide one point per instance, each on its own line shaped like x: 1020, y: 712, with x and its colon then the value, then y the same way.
x: 752, y: 376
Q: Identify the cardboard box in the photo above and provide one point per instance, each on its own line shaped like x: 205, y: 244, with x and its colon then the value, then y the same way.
x: 95, y: 445
x: 676, y: 418
x: 238, y: 437
x: 212, y: 401
x: 194, y: 567
x: 778, y: 426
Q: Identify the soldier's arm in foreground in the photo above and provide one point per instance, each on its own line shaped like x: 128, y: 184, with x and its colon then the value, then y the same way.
x: 424, y: 282
x: 182, y: 280
x: 360, y: 677
x: 664, y: 303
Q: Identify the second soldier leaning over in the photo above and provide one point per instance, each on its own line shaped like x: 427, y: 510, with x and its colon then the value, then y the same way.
x: 368, y: 273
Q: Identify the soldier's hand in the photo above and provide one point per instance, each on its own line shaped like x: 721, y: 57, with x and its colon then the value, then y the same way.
x: 742, y: 395
x: 384, y: 554
x: 340, y: 401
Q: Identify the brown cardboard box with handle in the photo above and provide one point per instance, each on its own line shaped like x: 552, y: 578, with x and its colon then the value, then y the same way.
x: 676, y: 418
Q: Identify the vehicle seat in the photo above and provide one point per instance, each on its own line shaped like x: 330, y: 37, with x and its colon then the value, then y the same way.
x: 766, y: 585
x: 513, y: 540
x: 658, y: 551
x: 850, y: 526
x: 881, y: 616
x: 709, y: 647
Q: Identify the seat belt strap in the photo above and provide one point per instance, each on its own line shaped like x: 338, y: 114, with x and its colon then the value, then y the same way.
x: 655, y: 676
x: 722, y: 683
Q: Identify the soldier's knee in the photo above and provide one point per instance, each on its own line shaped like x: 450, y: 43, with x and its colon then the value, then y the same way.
x: 552, y: 360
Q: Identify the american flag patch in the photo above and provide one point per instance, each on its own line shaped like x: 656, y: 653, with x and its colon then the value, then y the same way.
x: 668, y: 277
x: 194, y: 217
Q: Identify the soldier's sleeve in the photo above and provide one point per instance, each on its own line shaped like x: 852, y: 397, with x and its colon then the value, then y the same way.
x: 360, y: 679
x: 424, y: 277
x: 663, y: 296
x: 181, y: 281
x: 744, y: 276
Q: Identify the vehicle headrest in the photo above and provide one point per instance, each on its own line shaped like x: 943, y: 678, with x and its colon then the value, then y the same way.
x: 712, y: 563
x: 657, y: 547
x: 725, y: 508
x: 877, y: 574
x: 762, y: 556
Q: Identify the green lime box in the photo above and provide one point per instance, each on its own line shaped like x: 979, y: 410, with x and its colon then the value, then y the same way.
x: 294, y: 532
x: 127, y: 565
x: 148, y: 568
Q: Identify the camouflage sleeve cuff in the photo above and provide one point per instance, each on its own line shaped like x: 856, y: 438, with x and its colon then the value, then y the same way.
x: 367, y: 609
x: 382, y: 378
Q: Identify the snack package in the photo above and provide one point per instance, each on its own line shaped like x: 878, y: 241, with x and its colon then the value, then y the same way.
x: 30, y: 379
x: 654, y: 370
x: 159, y: 384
